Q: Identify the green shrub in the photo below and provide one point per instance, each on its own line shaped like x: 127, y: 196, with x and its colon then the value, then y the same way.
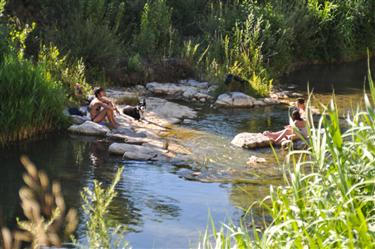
x: 69, y: 74
x: 156, y: 31
x: 91, y: 34
x: 32, y: 102
x: 240, y: 53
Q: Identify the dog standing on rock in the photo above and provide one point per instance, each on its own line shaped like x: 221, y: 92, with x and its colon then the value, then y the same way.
x: 135, y: 112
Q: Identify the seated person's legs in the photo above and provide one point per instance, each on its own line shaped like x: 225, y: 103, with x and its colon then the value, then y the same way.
x: 105, y: 113
x: 99, y: 117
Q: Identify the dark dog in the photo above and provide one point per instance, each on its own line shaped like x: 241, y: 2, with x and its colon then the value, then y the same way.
x: 231, y: 77
x: 135, y: 112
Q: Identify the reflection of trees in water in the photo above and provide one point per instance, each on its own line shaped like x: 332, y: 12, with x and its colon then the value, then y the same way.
x: 52, y: 153
x: 162, y: 208
x: 76, y: 162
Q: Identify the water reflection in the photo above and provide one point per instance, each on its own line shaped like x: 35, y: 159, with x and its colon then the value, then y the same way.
x: 347, y: 80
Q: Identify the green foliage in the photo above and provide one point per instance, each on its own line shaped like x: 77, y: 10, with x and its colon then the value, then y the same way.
x: 109, y: 13
x: 31, y: 100
x: 238, y: 53
x: 2, y: 5
x: 233, y: 36
x: 156, y: 30
x: 69, y: 74
x: 96, y: 207
x: 328, y: 200
x: 135, y: 63
x: 90, y: 31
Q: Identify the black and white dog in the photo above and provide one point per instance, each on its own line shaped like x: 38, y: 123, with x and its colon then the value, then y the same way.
x: 135, y: 112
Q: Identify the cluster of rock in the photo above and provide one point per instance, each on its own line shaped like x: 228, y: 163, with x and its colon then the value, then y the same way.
x: 203, y: 92
x: 187, y: 89
x: 141, y: 140
x: 241, y: 100
x: 146, y: 140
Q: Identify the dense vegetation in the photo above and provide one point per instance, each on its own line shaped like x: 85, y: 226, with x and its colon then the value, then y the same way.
x: 58, y: 44
x: 328, y: 200
x: 133, y: 41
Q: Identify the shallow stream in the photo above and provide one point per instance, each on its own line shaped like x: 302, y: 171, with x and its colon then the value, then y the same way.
x: 166, y: 206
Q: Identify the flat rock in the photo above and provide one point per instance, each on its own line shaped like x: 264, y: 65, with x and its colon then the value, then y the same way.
x: 195, y: 83
x: 169, y: 110
x: 140, y: 156
x: 126, y: 139
x: 166, y: 88
x: 235, y: 99
x: 89, y: 128
x: 128, y: 132
x: 251, y: 140
x: 136, y: 152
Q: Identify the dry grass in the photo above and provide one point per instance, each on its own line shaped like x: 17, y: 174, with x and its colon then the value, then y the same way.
x: 48, y: 222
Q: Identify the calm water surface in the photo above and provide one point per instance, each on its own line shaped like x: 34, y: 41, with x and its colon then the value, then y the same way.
x: 166, y: 206
x: 162, y: 208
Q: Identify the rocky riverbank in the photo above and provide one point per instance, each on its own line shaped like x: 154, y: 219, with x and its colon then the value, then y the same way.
x: 148, y: 139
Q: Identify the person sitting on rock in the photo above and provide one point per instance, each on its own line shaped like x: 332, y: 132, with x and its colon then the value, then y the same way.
x: 101, y: 108
x: 288, y: 132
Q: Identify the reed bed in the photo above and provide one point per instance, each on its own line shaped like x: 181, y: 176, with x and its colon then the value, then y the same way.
x: 328, y: 200
x: 32, y: 102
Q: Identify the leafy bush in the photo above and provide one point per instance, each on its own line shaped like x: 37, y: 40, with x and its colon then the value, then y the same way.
x: 32, y: 102
x: 69, y: 74
x: 91, y: 34
x: 155, y: 29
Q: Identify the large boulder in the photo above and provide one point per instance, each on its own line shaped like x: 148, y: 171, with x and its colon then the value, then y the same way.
x: 251, y: 140
x: 89, y: 128
x: 169, y: 110
x: 235, y: 99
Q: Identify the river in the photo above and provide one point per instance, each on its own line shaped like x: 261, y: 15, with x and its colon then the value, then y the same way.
x: 166, y: 206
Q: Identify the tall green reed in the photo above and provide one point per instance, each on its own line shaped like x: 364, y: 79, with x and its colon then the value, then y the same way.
x: 32, y: 102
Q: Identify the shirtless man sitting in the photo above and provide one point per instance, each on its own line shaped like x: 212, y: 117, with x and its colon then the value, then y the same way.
x: 101, y: 107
